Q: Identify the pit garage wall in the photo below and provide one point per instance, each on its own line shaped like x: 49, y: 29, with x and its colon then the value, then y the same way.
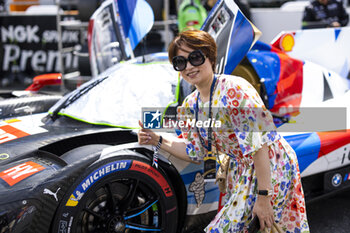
x: 271, y: 21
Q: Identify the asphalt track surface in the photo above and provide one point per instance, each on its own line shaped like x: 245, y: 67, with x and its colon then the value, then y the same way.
x: 331, y: 214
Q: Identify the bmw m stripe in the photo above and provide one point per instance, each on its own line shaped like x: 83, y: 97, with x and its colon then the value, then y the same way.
x: 307, y: 147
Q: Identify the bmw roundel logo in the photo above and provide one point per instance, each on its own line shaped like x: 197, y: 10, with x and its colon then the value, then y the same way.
x: 337, y: 179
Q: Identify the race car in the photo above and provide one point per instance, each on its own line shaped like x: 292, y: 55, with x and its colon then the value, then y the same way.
x: 79, y: 168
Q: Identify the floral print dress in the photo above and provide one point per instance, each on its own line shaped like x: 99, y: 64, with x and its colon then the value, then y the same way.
x: 245, y: 126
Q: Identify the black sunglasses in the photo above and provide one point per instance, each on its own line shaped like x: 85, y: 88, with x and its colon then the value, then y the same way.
x: 196, y: 58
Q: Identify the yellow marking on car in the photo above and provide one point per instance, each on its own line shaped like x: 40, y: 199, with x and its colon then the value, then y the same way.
x: 72, y: 201
x: 12, y: 121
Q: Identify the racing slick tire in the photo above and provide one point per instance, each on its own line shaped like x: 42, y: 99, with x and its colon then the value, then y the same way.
x: 119, y: 194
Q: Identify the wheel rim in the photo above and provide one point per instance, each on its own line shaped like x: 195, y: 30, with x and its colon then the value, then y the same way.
x: 121, y: 205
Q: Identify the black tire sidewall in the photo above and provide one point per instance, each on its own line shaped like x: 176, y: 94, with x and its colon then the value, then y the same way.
x: 65, y: 217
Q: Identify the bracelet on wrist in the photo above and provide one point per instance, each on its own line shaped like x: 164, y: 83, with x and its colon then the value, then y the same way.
x: 156, y: 149
x: 159, y: 144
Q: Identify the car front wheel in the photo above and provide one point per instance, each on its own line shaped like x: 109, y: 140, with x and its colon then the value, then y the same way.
x: 119, y: 195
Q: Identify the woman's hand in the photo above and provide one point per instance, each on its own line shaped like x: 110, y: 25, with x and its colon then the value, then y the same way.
x: 263, y: 209
x: 147, y: 136
x: 174, y: 147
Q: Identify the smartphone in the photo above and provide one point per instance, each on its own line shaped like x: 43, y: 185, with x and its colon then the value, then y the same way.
x: 254, y: 225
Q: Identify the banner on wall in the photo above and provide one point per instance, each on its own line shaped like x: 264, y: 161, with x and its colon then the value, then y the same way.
x: 29, y: 47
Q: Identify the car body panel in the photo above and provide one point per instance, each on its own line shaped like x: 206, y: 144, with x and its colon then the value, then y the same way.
x: 230, y: 29
x: 320, y: 151
x: 292, y: 83
x: 327, y: 47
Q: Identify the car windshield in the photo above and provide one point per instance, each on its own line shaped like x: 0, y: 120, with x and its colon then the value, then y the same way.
x: 117, y: 99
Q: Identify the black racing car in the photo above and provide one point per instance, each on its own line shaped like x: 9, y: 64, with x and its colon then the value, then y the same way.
x: 68, y: 172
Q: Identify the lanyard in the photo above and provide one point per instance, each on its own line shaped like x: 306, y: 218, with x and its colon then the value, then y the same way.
x: 210, y: 116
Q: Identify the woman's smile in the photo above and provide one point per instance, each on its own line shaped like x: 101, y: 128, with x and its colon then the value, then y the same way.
x: 192, y: 74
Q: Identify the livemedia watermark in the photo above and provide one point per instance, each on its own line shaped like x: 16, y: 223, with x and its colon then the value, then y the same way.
x: 308, y: 119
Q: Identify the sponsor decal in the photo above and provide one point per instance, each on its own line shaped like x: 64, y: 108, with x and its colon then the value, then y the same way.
x: 62, y: 227
x: 198, y: 188
x: 152, y: 172
x: 94, y: 176
x: 29, y: 45
x: 8, y: 133
x: 346, y: 177
x: 346, y: 156
x: 17, y: 173
x: 4, y: 156
x: 49, y: 192
x: 70, y: 224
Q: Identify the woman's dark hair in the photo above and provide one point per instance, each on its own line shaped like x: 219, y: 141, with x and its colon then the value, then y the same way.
x: 197, y: 40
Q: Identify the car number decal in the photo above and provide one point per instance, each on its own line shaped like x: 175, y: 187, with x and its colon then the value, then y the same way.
x: 152, y: 172
x: 95, y: 176
x: 17, y: 173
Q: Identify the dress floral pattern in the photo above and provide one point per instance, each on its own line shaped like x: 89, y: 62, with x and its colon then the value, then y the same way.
x: 246, y: 125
